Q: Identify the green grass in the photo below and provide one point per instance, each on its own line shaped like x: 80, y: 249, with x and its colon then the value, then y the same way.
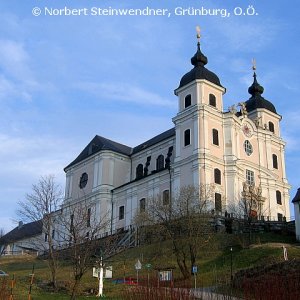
x: 214, y: 265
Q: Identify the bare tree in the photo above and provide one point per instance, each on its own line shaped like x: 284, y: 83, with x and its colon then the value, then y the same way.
x: 80, y: 226
x: 250, y: 205
x: 185, y: 221
x: 41, y: 204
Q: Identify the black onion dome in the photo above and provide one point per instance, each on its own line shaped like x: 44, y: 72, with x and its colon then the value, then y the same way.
x: 256, y: 100
x: 199, y: 60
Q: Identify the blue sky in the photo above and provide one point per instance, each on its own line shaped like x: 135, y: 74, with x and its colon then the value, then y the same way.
x: 64, y: 79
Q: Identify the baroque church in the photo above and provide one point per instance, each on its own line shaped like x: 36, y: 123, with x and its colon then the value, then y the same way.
x: 239, y: 150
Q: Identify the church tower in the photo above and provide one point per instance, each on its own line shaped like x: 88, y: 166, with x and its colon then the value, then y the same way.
x: 198, y: 125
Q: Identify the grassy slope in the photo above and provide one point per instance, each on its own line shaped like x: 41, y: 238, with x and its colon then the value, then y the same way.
x: 213, y: 264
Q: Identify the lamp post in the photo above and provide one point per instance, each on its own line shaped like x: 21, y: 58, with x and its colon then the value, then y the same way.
x: 231, y: 277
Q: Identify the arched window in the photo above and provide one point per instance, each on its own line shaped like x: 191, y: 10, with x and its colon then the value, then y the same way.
x: 218, y: 202
x: 187, y: 101
x: 212, y: 100
x: 187, y: 137
x: 142, y: 205
x: 271, y: 127
x: 139, y: 171
x: 275, y: 161
x: 166, y: 197
x: 217, y: 175
x: 278, y: 197
x: 160, y: 162
x: 215, y: 136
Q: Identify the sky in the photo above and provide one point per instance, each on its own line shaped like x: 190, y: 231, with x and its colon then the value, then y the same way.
x: 65, y: 78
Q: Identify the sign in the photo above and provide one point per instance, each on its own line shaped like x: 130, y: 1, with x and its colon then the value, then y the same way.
x: 165, y: 275
x: 194, y: 269
x: 148, y: 266
x: 138, y: 265
x: 107, y: 272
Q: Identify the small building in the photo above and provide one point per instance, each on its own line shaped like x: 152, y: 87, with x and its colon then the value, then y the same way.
x: 25, y: 238
x: 296, y: 202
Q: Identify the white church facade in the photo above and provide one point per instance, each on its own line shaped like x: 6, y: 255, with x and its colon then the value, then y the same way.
x: 232, y: 149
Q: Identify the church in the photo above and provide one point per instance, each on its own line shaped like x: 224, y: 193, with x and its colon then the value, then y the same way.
x: 236, y: 150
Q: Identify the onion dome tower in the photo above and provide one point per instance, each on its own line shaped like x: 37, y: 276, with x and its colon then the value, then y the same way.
x: 199, y: 60
x: 257, y: 100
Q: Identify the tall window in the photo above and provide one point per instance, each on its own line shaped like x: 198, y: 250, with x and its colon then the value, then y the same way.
x: 139, y: 171
x: 280, y: 217
x: 212, y: 100
x: 88, y: 218
x: 250, y: 177
x: 187, y: 101
x: 166, y: 197
x: 142, y: 205
x: 53, y: 233
x: 215, y: 135
x: 217, y: 175
x: 278, y: 197
x: 271, y: 127
x: 160, y: 162
x: 187, y: 137
x: 275, y: 162
x: 218, y: 202
x: 121, y: 212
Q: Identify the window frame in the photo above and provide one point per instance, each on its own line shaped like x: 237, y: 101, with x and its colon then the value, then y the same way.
x: 278, y: 197
x: 160, y: 162
x: 215, y: 137
x: 271, y: 126
x: 248, y: 147
x: 121, y: 212
x: 142, y: 205
x: 212, y: 100
x: 250, y: 177
x: 275, y: 161
x: 187, y: 137
x: 217, y: 176
x: 187, y: 101
x: 218, y: 202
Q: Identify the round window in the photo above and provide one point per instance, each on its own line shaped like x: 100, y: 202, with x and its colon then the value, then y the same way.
x: 248, y: 148
x: 83, y: 180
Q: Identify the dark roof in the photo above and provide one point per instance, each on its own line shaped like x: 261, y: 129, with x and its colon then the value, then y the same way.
x: 97, y: 144
x: 22, y: 232
x: 297, y: 197
x: 163, y: 136
x: 257, y: 101
x: 199, y: 60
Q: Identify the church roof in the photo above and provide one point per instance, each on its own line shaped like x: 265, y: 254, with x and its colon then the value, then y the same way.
x: 199, y: 60
x: 22, y: 232
x: 163, y: 136
x: 256, y: 100
x: 297, y: 197
x: 97, y: 144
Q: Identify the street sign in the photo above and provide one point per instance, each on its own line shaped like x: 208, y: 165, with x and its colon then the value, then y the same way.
x: 148, y: 266
x: 138, y: 265
x: 194, y: 269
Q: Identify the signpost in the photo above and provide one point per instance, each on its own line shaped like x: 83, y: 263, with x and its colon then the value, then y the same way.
x: 138, y: 266
x: 148, y: 266
x: 194, y: 272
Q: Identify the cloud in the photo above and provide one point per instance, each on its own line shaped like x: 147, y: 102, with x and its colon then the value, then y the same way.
x: 125, y: 92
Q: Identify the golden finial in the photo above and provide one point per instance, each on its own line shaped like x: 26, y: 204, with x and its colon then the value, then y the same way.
x: 198, y: 33
x: 253, y: 64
